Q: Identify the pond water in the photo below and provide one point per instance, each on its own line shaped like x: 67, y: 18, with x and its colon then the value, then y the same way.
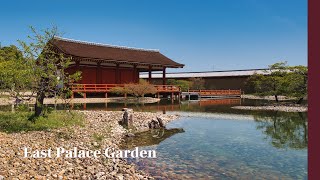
x: 216, y: 142
x: 228, y: 147
x: 213, y: 141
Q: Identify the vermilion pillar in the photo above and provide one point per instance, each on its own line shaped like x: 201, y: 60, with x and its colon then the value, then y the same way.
x: 135, y: 78
x: 117, y: 74
x: 98, y: 73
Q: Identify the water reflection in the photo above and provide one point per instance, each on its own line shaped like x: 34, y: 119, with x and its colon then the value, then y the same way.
x: 149, y: 138
x: 284, y: 130
x: 225, y: 148
x: 164, y: 105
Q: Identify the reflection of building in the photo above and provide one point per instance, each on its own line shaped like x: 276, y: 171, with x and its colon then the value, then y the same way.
x: 162, y: 107
x: 233, y: 79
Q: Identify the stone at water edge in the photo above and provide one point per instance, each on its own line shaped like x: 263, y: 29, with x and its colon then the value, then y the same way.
x: 160, y: 122
x: 156, y: 123
x: 127, y: 118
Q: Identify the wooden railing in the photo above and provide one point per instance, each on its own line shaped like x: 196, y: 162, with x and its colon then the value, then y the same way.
x: 108, y: 87
x: 93, y: 87
x: 167, y: 88
x: 160, y: 89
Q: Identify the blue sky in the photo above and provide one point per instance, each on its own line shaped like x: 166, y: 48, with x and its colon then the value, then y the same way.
x: 204, y: 35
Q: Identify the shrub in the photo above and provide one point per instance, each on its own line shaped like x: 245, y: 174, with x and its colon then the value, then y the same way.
x: 183, y: 84
x: 136, y: 89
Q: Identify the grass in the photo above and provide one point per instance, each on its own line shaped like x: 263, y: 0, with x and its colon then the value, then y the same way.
x: 98, y: 137
x: 11, y: 122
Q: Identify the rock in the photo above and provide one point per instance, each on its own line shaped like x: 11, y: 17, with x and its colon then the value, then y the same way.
x: 160, y: 122
x: 130, y: 135
x: 1, y: 177
x: 120, y: 177
x: 113, y: 173
x: 95, y: 144
x: 127, y: 118
x: 100, y: 174
x: 61, y: 172
x: 156, y: 123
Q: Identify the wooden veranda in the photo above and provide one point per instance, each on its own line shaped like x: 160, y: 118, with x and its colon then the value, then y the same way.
x: 106, y: 88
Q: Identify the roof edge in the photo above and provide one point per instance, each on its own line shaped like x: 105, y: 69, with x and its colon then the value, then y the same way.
x: 105, y: 45
x: 215, y: 71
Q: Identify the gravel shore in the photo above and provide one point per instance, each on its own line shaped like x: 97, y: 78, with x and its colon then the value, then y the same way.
x: 101, y: 130
x: 274, y: 108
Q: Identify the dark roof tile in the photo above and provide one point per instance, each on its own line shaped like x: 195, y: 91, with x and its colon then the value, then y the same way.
x: 105, y: 52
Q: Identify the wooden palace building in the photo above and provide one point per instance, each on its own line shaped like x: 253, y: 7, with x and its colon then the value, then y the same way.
x: 106, y: 66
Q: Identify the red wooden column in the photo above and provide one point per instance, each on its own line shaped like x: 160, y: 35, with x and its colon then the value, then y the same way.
x: 117, y: 74
x: 164, y: 76
x: 98, y: 78
x: 77, y: 65
x: 135, y: 78
x: 149, y: 79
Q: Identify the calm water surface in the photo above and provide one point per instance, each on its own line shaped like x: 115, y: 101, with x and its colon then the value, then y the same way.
x: 227, y: 148
x: 218, y: 142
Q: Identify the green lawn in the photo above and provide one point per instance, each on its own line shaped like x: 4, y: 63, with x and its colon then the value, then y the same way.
x: 11, y: 122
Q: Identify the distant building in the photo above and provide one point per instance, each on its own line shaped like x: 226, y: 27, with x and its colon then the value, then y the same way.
x: 231, y: 79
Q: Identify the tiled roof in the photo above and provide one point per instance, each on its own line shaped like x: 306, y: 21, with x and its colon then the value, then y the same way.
x: 111, y: 53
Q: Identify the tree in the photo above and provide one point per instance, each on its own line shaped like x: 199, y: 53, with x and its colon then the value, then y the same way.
x: 197, y: 83
x: 298, y: 78
x: 15, y: 75
x: 48, y: 67
x: 137, y: 90
x: 183, y: 84
x: 281, y: 79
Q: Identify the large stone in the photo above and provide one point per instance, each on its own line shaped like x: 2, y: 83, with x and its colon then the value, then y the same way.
x: 127, y: 118
x: 156, y: 123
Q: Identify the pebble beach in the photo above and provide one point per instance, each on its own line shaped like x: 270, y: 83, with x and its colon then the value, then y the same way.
x: 100, y: 130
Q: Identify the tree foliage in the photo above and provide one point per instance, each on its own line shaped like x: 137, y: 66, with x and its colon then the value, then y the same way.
x: 15, y: 75
x: 183, y: 84
x: 197, y: 83
x: 38, y: 68
x: 281, y: 79
x: 136, y: 89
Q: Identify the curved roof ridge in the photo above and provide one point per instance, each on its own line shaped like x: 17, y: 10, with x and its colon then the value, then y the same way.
x: 104, y: 45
